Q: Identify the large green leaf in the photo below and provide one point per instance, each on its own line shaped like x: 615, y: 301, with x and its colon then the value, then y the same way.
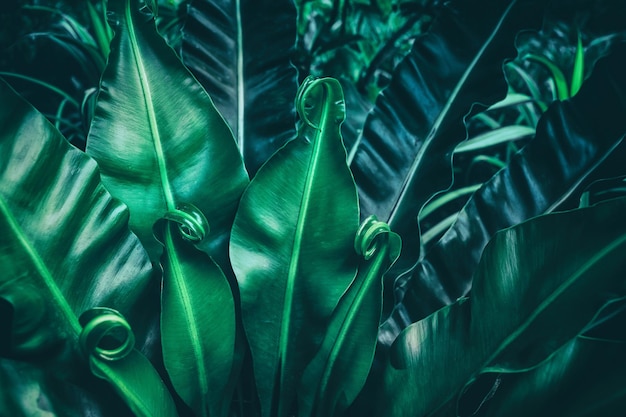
x: 157, y: 137
x: 537, y: 286
x: 584, y: 378
x: 240, y: 51
x: 404, y: 154
x: 292, y: 246
x: 197, y: 324
x: 572, y: 139
x: 337, y: 373
x: 64, y: 247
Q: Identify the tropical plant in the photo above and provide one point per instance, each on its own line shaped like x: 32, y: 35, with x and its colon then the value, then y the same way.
x: 312, y: 208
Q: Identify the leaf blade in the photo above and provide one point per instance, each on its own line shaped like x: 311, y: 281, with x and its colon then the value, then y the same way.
x: 277, y: 236
x: 162, y: 144
x: 535, y: 314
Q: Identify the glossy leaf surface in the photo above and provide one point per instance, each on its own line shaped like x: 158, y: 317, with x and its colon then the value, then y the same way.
x: 197, y: 324
x: 240, y: 51
x: 64, y: 242
x: 404, y: 155
x: 338, y: 371
x: 292, y: 246
x: 157, y: 137
x: 108, y: 341
x: 584, y: 378
x: 572, y: 139
x: 537, y: 286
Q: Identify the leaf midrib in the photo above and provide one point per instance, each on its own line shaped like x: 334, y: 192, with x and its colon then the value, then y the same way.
x: 120, y: 384
x: 181, y: 288
x: 297, y: 242
x: 41, y: 268
x: 355, y: 306
x: 240, y: 82
x: 152, y: 120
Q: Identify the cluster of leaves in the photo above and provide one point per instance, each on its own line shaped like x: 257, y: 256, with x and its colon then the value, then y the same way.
x: 247, y: 222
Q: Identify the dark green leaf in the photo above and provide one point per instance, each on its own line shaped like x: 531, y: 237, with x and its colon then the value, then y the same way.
x: 572, y: 139
x: 338, y: 371
x: 583, y: 378
x: 157, y: 137
x: 240, y: 51
x: 404, y: 155
x: 537, y: 286
x: 197, y: 324
x: 292, y: 246
x: 64, y: 242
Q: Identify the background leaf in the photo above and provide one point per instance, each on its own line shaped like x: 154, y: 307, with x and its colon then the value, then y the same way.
x: 240, y: 51
x: 537, y: 286
x: 404, y: 155
x: 572, y: 139
x: 584, y: 378
x: 157, y: 137
x: 292, y: 246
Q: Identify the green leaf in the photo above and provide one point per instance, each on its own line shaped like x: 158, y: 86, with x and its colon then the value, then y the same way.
x: 292, y: 246
x: 537, y: 286
x: 403, y: 156
x: 560, y: 83
x: 583, y: 378
x: 197, y: 322
x: 338, y: 371
x: 578, y: 72
x: 64, y: 242
x: 495, y: 137
x: 157, y: 137
x: 108, y: 341
x: 572, y: 139
x: 240, y: 50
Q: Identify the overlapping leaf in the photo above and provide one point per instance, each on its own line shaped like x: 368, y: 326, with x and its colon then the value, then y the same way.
x: 164, y: 149
x: 337, y: 373
x: 157, y: 137
x: 197, y: 325
x: 572, y: 139
x: 108, y: 342
x: 64, y: 243
x: 240, y: 51
x: 537, y: 286
x: 292, y: 246
x: 404, y: 155
x: 584, y: 378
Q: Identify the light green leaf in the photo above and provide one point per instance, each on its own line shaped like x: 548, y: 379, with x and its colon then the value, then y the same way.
x: 337, y: 373
x: 197, y: 319
x: 578, y: 72
x: 292, y: 246
x: 537, y: 286
x: 108, y: 341
x: 560, y: 83
x: 157, y: 137
x: 495, y: 137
